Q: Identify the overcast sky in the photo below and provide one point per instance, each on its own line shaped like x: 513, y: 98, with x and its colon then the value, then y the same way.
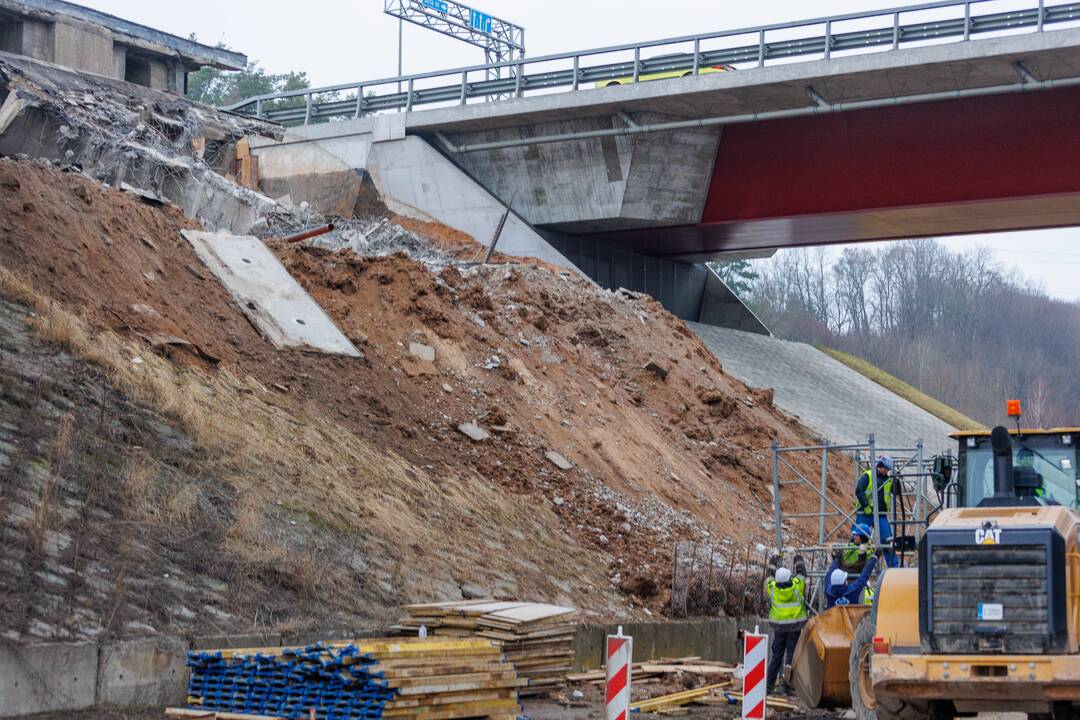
x: 339, y: 41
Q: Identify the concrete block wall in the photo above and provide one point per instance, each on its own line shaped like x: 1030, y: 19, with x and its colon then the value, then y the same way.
x: 142, y: 673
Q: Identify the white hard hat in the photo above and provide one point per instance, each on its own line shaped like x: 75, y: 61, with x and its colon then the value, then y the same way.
x: 783, y: 575
x: 838, y: 577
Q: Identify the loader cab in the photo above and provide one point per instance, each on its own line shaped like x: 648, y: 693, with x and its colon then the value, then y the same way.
x: 1045, y: 467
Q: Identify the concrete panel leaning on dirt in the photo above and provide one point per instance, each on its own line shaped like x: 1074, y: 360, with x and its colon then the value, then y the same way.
x: 274, y: 302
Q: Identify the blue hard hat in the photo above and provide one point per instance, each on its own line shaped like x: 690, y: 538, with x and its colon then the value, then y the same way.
x: 886, y: 462
x: 860, y: 529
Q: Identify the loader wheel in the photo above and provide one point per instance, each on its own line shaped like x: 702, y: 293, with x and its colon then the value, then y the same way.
x: 865, y: 703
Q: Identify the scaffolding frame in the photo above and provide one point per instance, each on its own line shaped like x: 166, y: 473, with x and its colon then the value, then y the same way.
x: 911, y: 468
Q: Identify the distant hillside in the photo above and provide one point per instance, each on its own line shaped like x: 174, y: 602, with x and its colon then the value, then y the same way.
x: 953, y: 325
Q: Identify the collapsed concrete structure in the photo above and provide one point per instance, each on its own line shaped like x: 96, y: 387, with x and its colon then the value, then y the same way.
x: 132, y: 137
x: 85, y: 39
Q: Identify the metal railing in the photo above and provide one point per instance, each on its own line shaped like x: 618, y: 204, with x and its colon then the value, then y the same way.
x: 894, y: 29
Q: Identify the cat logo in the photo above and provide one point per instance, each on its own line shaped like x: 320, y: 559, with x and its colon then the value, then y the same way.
x: 988, y: 536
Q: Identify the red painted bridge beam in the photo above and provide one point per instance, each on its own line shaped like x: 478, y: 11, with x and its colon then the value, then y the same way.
x: 957, y: 151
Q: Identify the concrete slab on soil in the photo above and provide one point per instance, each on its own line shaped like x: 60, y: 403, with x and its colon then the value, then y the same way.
x: 270, y: 297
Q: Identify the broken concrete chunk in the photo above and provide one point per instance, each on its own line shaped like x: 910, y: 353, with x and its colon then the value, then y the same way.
x: 558, y: 460
x: 657, y: 369
x: 474, y: 432
x: 447, y: 388
x: 424, y: 352
x: 148, y: 197
x: 550, y: 358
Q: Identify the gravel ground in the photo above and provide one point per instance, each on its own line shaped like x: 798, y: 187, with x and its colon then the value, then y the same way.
x: 534, y: 710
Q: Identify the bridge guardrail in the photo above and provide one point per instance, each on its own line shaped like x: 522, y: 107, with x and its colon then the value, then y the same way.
x: 898, y: 31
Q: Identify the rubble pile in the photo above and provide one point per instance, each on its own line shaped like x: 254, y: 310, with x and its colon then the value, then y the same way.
x: 126, y: 135
x: 510, y: 430
x: 372, y: 236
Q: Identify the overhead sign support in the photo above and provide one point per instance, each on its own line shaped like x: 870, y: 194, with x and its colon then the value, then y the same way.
x: 500, y: 40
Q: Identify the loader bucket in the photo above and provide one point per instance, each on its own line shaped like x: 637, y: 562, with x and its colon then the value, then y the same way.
x: 819, y: 671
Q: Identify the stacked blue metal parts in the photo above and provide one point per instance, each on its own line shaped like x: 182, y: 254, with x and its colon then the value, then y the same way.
x: 337, y: 682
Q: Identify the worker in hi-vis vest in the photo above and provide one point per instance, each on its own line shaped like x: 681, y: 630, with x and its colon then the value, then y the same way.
x: 879, y: 481
x: 842, y: 589
x: 854, y: 555
x: 787, y: 616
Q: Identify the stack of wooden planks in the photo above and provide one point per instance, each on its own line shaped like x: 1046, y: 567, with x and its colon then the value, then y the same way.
x: 425, y: 679
x: 658, y: 670
x: 537, y: 638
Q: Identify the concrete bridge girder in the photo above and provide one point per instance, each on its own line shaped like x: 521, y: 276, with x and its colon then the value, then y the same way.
x: 597, y: 184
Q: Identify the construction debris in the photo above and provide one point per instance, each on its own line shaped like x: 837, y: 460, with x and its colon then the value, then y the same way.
x: 657, y: 369
x: 649, y: 671
x: 536, y: 637
x: 474, y: 432
x: 333, y: 490
x: 558, y: 460
x: 434, y: 679
x: 160, y: 146
x: 664, y: 702
x: 421, y: 351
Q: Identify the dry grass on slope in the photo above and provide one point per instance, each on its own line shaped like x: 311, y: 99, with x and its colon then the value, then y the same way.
x: 421, y: 535
x: 912, y: 394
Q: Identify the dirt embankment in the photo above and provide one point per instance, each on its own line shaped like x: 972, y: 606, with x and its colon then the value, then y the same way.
x: 313, y: 454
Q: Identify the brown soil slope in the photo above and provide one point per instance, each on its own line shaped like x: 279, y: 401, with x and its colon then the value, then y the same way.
x: 342, y: 486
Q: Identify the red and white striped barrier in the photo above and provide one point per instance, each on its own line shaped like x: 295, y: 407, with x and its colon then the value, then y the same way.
x: 620, y: 653
x: 755, y: 655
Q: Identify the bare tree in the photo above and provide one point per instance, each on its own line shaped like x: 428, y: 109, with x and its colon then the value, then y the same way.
x: 954, y: 324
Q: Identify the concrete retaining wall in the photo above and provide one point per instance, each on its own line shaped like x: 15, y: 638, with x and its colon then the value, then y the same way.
x: 714, y: 639
x: 47, y: 678
x: 151, y: 672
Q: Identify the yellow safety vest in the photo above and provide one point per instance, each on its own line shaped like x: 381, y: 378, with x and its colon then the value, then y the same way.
x: 855, y: 554
x: 868, y: 595
x: 870, y: 490
x: 787, y: 605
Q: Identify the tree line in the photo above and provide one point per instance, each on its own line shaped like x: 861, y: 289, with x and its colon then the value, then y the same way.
x: 956, y: 325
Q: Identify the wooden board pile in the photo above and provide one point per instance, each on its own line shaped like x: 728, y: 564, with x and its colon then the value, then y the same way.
x: 426, y: 679
x: 650, y: 671
x: 536, y: 638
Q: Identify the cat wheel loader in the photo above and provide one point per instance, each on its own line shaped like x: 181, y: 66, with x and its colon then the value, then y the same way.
x: 990, y: 617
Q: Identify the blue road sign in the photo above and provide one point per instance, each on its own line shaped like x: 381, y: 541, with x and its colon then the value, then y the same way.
x: 480, y: 21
